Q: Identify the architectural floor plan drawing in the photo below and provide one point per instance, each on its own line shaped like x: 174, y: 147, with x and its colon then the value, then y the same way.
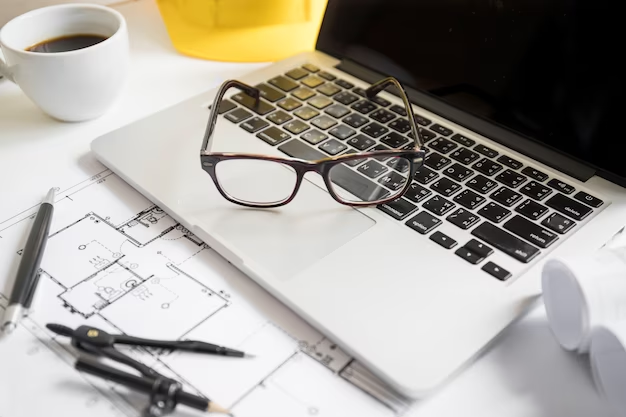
x: 116, y: 261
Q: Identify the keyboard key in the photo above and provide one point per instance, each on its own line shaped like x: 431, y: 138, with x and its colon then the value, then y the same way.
x: 531, y: 209
x: 443, y: 240
x: 333, y: 147
x: 342, y: 132
x: 359, y: 91
x: 463, y: 219
x: 558, y: 223
x: 297, y: 73
x: 372, y: 169
x: 444, y: 131
x: 531, y: 232
x: 535, y: 174
x: 364, y: 106
x: 438, y: 205
x: 393, y: 140
x: 283, y: 83
x: 374, y: 130
x: 320, y: 102
x: 310, y: 68
x: 393, y: 181
x: 436, y: 161
x: 296, y: 127
x: 314, y: 136
x: 346, y: 98
x: 469, y: 199
x: 488, y: 152
x: 535, y: 190
x: 269, y: 93
x: 398, y: 109
x: 588, y: 199
x: 355, y: 120
x: 469, y: 256
x: 463, y: 155
x: 506, y: 196
x: 257, y: 106
x: 445, y: 186
x: 380, y: 147
x: 238, y: 115
x: 328, y: 89
x: 561, y: 186
x: 337, y: 110
x: 442, y: 145
x: 569, y: 207
x: 306, y: 113
x: 422, y: 120
x: 398, y: 209
x: 463, y: 140
x: 356, y: 184
x: 326, y: 75
x: 312, y: 81
x: 279, y: 117
x: 289, y: 104
x: 254, y: 125
x: 361, y: 142
x: 424, y: 175
x: 426, y: 135
x: 273, y: 135
x: 353, y: 162
x: 423, y: 222
x: 302, y: 93
x: 225, y: 106
x: 298, y: 149
x: 458, y: 172
x: 324, y: 122
x: 487, y: 167
x: 344, y: 83
x: 511, y: 178
x: 481, y: 184
x: 417, y: 193
x: 496, y: 271
x: 381, y: 101
x: 494, y: 212
x: 399, y: 164
x: 510, y: 162
x: 400, y: 125
x: 382, y: 116
x: 478, y: 248
x: 506, y: 242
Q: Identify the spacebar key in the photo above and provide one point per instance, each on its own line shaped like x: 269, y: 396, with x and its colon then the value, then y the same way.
x: 297, y: 149
x: 356, y: 184
x: 506, y: 242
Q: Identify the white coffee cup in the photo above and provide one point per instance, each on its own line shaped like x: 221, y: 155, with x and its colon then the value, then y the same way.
x: 75, y: 85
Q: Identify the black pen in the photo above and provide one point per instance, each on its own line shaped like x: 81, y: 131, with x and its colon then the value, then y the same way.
x: 28, y: 271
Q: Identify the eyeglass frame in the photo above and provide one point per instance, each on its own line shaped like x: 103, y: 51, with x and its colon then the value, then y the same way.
x: 209, y: 160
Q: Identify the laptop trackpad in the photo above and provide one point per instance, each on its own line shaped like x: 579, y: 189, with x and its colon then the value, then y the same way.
x: 286, y: 240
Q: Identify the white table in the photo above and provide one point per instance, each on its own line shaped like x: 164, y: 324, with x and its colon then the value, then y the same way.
x: 524, y: 373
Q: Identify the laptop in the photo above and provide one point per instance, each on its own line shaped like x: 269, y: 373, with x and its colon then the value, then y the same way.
x: 521, y: 109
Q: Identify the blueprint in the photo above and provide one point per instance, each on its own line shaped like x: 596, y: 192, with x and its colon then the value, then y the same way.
x: 117, y: 262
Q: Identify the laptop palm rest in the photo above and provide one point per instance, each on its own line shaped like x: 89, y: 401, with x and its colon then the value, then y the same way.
x: 287, y: 240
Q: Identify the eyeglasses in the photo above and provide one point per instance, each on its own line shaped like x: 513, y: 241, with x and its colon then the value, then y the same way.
x: 354, y: 179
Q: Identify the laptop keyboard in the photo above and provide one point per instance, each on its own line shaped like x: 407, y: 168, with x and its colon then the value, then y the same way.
x: 507, y: 206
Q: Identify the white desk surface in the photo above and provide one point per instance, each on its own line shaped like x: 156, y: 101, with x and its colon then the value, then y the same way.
x: 524, y: 374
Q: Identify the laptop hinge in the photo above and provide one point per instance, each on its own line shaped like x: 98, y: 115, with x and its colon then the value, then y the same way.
x: 505, y: 137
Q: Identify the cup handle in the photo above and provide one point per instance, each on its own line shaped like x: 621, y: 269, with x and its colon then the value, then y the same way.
x: 4, y: 70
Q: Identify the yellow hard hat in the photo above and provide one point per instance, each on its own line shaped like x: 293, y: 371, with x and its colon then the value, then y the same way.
x: 242, y: 30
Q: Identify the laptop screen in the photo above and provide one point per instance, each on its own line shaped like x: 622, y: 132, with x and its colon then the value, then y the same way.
x: 551, y: 70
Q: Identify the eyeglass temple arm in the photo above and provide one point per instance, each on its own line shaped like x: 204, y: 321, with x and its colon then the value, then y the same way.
x: 208, y: 134
x: 379, y: 86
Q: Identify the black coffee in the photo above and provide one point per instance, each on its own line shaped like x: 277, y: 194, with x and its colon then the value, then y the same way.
x: 66, y: 43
